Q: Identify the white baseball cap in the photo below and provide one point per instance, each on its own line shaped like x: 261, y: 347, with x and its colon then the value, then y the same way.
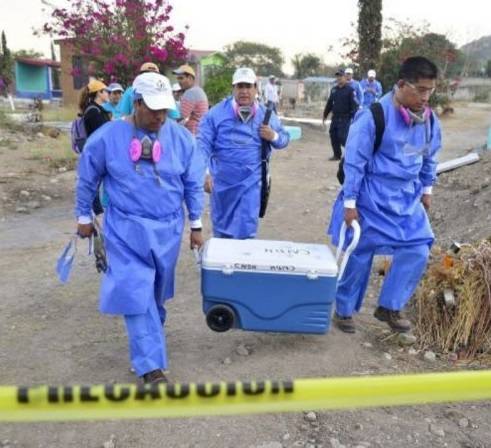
x: 371, y: 73
x: 349, y: 71
x: 155, y: 90
x: 176, y: 87
x: 244, y: 74
x: 115, y: 87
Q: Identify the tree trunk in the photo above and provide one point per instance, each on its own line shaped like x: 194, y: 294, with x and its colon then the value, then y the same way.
x: 369, y: 33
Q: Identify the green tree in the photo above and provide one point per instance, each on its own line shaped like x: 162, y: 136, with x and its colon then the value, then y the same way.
x: 218, y: 84
x: 306, y: 65
x: 435, y: 47
x: 6, y: 61
x: 369, y: 33
x: 264, y: 60
x: 488, y: 69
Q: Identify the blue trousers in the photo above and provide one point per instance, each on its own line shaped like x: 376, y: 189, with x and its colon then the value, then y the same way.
x: 408, y: 266
x: 146, y: 337
x: 223, y: 235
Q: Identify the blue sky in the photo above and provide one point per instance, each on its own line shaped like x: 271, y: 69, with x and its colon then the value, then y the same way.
x: 306, y: 26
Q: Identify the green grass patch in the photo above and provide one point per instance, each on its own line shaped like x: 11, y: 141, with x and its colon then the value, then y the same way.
x: 56, y: 152
x: 6, y: 142
x: 7, y: 123
x: 53, y: 112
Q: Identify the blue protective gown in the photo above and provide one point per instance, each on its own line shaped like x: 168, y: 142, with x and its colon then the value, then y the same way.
x: 355, y: 85
x: 368, y: 96
x: 232, y: 150
x: 143, y: 225
x: 387, y: 186
x: 113, y: 109
x: 126, y: 101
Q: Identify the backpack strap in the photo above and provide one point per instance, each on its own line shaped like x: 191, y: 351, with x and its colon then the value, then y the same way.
x: 378, y: 117
x: 432, y: 122
x: 91, y: 107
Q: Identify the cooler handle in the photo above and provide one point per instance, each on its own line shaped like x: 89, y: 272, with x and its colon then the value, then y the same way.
x: 198, y: 258
x: 228, y: 270
x: 350, y: 248
x: 312, y: 275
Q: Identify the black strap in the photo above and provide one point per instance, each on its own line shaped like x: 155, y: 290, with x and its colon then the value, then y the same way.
x: 91, y: 106
x: 267, y: 115
x: 265, y: 179
x: 432, y: 121
x: 378, y: 117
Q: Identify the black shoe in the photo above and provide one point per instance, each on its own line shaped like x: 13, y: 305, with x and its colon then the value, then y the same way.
x: 393, y: 318
x: 334, y: 159
x: 345, y: 324
x: 154, y: 377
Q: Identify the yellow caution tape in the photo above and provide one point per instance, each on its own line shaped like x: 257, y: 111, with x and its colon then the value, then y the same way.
x: 47, y: 403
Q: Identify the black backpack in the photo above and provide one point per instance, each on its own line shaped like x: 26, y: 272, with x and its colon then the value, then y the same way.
x: 379, y: 118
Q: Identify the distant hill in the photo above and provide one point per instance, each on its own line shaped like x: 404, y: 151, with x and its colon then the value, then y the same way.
x: 479, y: 49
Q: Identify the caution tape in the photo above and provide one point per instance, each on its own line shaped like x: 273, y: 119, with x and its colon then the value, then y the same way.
x: 65, y: 403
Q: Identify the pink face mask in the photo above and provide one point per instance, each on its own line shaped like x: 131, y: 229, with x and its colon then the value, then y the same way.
x: 410, y: 117
x: 145, y: 150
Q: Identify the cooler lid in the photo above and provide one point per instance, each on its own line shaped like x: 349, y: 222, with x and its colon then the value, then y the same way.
x: 266, y: 256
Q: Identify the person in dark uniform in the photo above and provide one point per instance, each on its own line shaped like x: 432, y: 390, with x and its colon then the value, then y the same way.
x: 343, y: 106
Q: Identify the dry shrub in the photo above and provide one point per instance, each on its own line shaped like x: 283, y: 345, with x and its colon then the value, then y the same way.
x: 464, y: 328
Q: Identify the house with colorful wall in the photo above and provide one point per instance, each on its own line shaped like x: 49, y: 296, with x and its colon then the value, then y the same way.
x: 75, y: 68
x: 37, y: 78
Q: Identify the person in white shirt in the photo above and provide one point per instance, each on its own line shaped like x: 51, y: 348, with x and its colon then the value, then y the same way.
x: 271, y: 94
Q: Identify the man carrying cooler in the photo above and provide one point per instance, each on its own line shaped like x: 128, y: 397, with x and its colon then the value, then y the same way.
x: 230, y: 138
x: 389, y: 192
x: 150, y: 167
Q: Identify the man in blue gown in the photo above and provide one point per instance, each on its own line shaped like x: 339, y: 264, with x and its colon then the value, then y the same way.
x: 355, y: 85
x: 372, y: 89
x: 150, y: 167
x: 388, y: 192
x: 229, y: 137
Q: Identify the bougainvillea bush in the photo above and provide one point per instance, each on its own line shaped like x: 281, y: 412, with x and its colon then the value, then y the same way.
x: 117, y: 36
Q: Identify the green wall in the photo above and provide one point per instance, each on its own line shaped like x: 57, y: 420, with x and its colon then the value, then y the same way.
x: 31, y: 78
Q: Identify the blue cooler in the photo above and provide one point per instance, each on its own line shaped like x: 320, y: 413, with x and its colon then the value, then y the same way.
x: 261, y: 285
x: 295, y: 132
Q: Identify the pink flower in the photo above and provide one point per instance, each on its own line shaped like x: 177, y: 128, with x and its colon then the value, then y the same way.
x: 121, y: 34
x: 108, y: 68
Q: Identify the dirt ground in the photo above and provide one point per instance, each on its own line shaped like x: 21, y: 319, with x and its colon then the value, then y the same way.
x: 53, y: 334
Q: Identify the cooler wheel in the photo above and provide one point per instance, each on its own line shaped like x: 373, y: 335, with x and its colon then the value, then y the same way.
x: 220, y: 318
